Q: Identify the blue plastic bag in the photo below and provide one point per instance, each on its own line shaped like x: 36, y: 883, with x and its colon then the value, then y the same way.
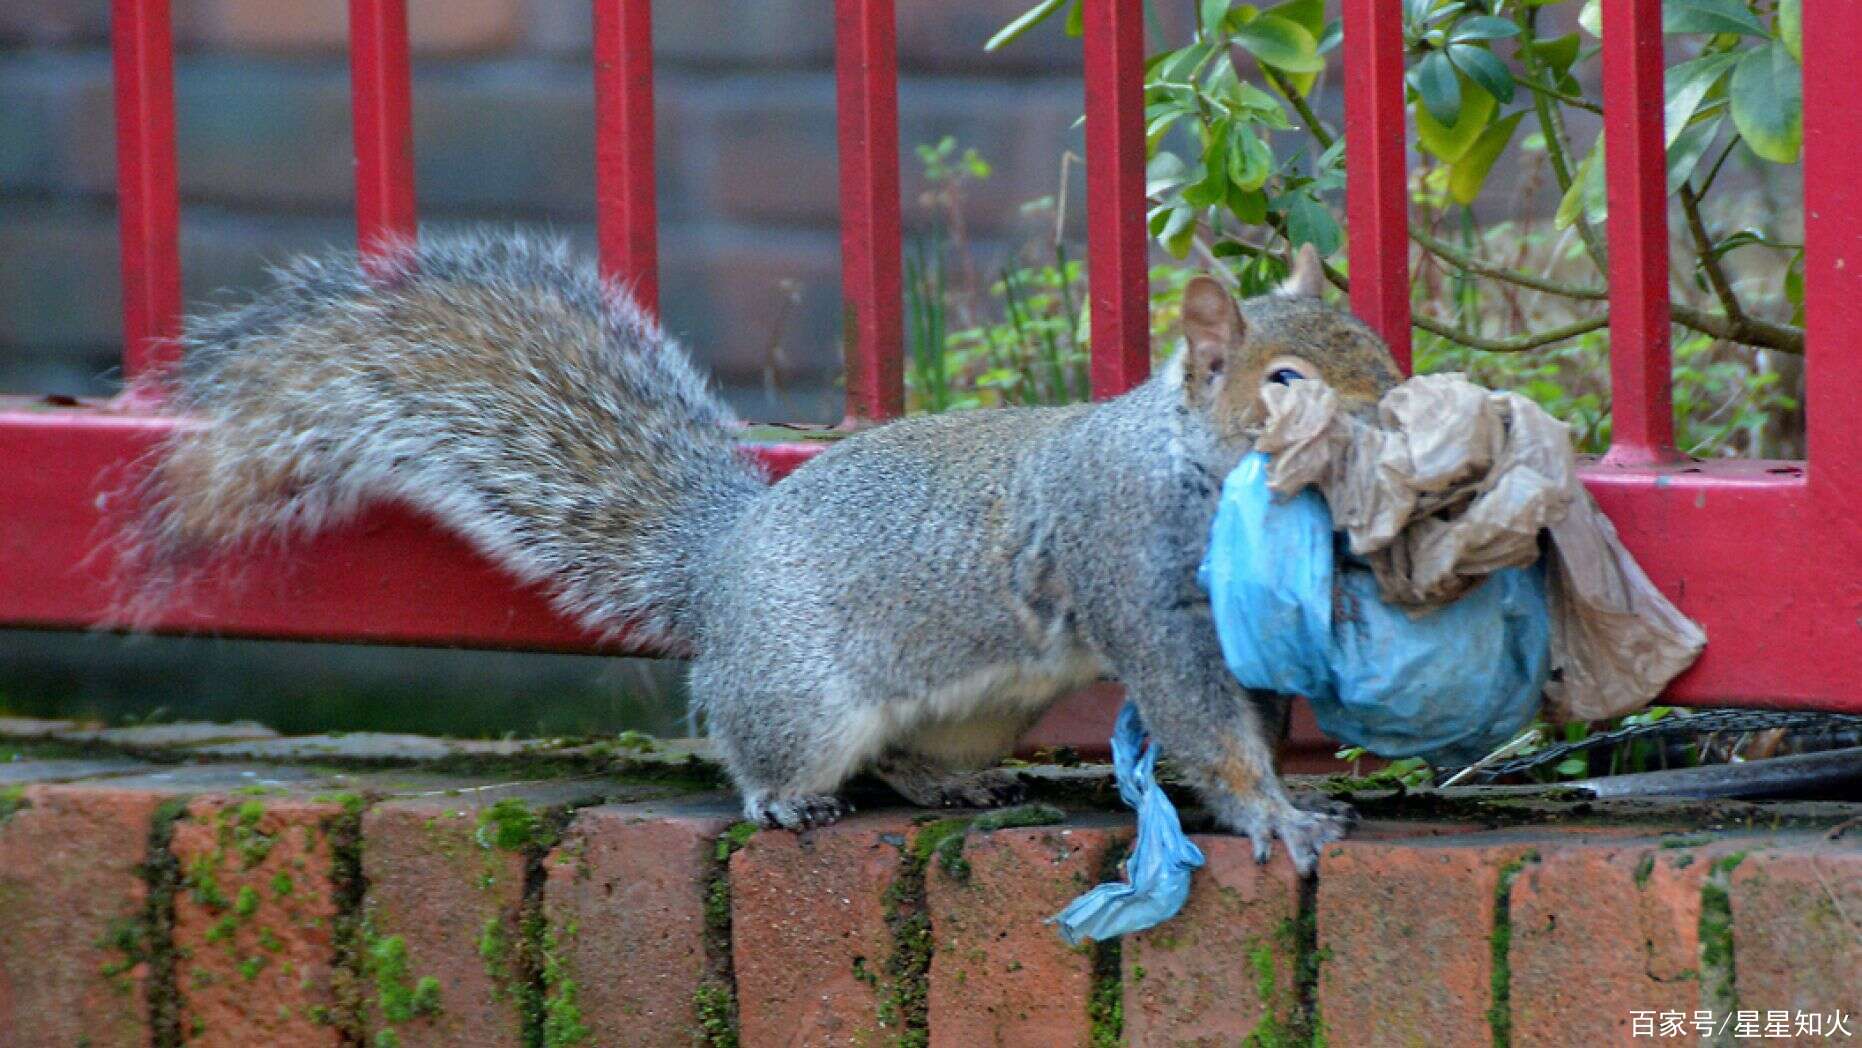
x: 1448, y: 685
x: 1158, y: 870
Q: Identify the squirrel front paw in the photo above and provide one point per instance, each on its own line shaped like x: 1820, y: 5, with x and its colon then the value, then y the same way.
x: 803, y: 812
x: 1304, y: 831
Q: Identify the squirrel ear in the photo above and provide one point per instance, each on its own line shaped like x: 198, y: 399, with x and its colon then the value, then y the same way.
x: 1307, y: 277
x: 1212, y: 327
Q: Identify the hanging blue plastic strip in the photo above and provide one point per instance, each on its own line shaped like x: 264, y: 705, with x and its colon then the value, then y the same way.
x: 1158, y: 871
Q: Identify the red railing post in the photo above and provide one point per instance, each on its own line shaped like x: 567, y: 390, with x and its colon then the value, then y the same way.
x: 1377, y: 186
x: 381, y: 101
x: 866, y: 76
x: 626, y: 216
x: 1117, y: 242
x: 1833, y: 257
x: 148, y: 202
x: 1636, y: 179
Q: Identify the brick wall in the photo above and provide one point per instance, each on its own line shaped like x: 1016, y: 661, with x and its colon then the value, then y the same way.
x: 243, y: 904
x: 503, y: 115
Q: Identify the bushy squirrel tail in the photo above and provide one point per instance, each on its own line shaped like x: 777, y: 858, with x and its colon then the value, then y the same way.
x: 491, y: 381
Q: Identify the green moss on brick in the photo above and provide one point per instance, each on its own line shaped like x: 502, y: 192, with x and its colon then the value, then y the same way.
x: 1020, y: 815
x: 733, y: 839
x: 716, y: 1007
x: 12, y: 802
x: 1500, y: 1006
x: 1717, y: 989
x: 510, y: 825
x: 714, y: 1002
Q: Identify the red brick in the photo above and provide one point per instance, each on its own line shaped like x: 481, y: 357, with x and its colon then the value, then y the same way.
x: 1600, y: 931
x: 253, y: 921
x: 999, y: 973
x: 435, y: 885
x: 810, y: 942
x: 1406, y: 929
x: 434, y: 26
x: 1212, y: 974
x: 68, y: 881
x: 625, y: 901
x: 1797, y: 929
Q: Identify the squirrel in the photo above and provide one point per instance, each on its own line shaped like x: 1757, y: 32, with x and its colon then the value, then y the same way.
x: 907, y: 602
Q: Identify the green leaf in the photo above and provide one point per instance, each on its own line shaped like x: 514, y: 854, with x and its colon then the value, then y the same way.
x: 1484, y: 69
x: 1214, y: 13
x: 1176, y: 65
x: 1283, y: 44
x: 1710, y: 16
x: 1768, y: 102
x: 1311, y: 222
x: 1791, y: 27
x: 1250, y: 160
x: 1076, y: 19
x: 1585, y: 199
x: 1686, y: 85
x: 1164, y: 173
x: 1688, y: 148
x: 1794, y: 287
x: 1470, y: 171
x: 1307, y: 14
x: 1249, y: 207
x: 1590, y: 18
x: 1333, y: 35
x: 1436, y: 83
x: 1448, y: 142
x: 1179, y: 231
x: 1482, y: 27
x: 1027, y: 20
x: 1558, y: 53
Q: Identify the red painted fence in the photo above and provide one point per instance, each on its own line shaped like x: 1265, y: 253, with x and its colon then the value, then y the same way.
x: 1767, y: 555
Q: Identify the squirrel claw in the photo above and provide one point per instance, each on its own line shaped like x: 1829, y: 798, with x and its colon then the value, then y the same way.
x: 1304, y: 831
x: 797, y: 813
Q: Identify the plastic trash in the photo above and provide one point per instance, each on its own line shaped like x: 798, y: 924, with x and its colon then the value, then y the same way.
x: 1453, y: 482
x: 1296, y: 614
x: 1158, y: 870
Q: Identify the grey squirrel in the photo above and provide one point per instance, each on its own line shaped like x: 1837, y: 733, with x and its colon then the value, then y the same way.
x: 907, y: 602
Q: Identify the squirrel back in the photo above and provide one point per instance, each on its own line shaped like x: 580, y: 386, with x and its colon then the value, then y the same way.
x: 491, y: 381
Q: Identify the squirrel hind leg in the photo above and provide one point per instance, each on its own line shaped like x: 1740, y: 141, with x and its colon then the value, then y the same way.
x: 929, y: 784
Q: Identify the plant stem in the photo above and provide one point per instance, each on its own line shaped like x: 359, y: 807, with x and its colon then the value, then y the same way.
x: 1552, y: 128
x: 1513, y: 343
x: 1463, y: 260
x: 1709, y: 262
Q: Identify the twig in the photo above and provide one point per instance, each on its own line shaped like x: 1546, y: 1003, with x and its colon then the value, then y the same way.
x: 1557, y: 96
x: 1513, y: 343
x: 1462, y: 260
x: 1300, y: 106
x: 1552, y: 127
x: 1067, y: 159
x: 1703, y: 243
x: 1750, y: 331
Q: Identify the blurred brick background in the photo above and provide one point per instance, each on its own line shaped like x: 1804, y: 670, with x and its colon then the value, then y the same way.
x: 503, y: 120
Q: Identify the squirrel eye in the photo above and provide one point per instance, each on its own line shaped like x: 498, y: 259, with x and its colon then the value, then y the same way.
x: 1284, y: 376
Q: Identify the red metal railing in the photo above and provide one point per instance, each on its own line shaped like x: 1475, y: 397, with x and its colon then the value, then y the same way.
x: 1767, y: 555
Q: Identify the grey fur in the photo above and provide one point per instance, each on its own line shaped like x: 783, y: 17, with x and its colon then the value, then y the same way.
x: 910, y: 600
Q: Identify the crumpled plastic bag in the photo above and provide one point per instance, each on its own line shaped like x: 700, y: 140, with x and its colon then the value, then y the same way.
x: 1448, y: 683
x: 1455, y: 482
x: 1158, y: 870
